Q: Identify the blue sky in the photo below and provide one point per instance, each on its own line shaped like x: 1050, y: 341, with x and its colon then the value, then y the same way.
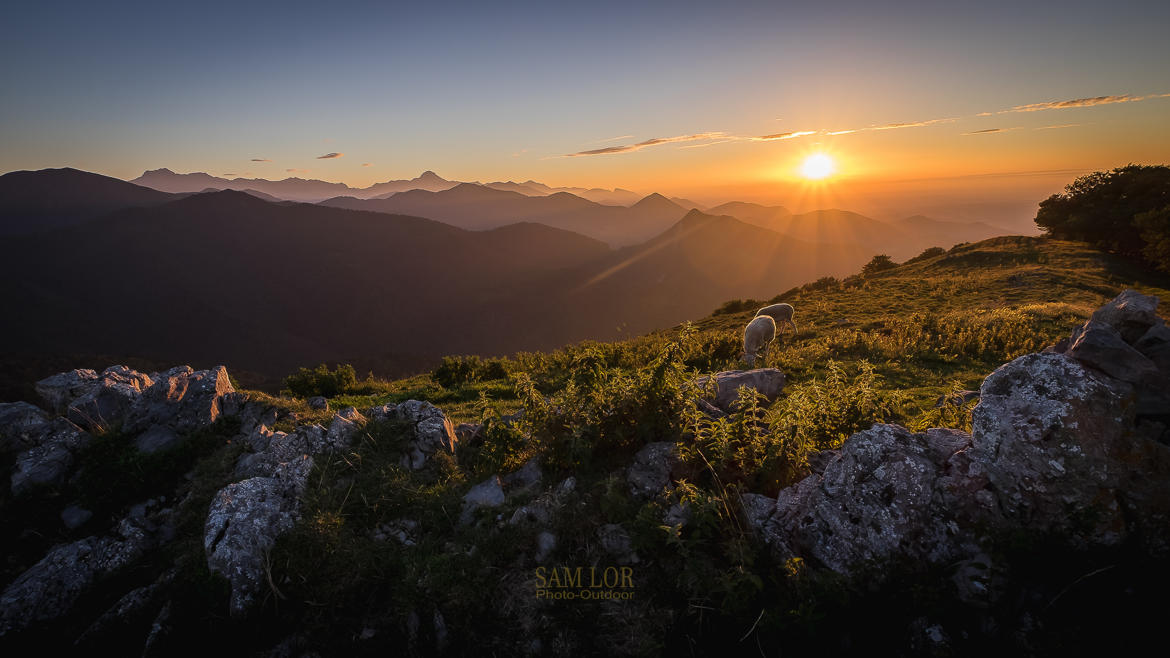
x: 503, y: 90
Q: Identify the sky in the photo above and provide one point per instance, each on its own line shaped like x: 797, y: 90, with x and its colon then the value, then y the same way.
x: 933, y: 104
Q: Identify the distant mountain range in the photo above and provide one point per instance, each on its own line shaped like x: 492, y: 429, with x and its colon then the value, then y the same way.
x: 95, y: 265
x: 478, y: 207
x: 289, y: 189
x: 313, y: 190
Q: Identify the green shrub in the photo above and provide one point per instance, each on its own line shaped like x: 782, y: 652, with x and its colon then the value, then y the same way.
x: 879, y: 263
x: 738, y: 306
x: 322, y: 381
x: 602, y: 413
x: 820, y: 415
x: 462, y: 370
x: 930, y: 252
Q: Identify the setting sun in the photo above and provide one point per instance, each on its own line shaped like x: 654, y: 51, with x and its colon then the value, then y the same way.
x: 817, y: 166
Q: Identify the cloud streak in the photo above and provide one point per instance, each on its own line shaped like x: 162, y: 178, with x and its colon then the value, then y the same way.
x: 788, y: 135
x: 329, y: 156
x: 713, y: 138
x: 261, y: 160
x: 912, y: 124
x: 630, y: 148
x: 1082, y: 102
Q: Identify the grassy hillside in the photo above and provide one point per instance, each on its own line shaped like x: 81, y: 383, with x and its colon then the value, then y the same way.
x: 868, y: 349
x: 924, y: 326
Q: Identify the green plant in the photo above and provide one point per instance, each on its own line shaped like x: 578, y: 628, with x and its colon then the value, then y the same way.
x: 879, y: 263
x: 820, y: 415
x: 322, y: 381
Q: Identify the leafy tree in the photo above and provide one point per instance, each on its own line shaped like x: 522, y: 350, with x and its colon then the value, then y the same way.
x: 880, y: 263
x: 1155, y: 231
x: 1102, y: 208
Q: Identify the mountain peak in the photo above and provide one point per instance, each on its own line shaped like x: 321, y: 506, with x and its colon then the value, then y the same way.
x: 431, y: 176
x: 656, y: 201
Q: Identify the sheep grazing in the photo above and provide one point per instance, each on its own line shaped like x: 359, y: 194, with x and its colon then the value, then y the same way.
x: 781, y: 313
x: 756, y: 337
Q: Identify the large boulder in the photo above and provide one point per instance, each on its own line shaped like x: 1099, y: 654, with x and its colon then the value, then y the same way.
x: 242, y: 526
x: 882, y: 496
x: 1058, y: 444
x: 1131, y: 314
x: 768, y: 381
x: 181, y: 398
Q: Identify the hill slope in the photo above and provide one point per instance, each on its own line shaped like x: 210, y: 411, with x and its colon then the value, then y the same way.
x: 51, y: 198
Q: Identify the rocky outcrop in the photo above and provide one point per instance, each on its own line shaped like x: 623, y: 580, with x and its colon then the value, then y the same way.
x: 433, y: 432
x: 91, y: 400
x: 49, y: 588
x: 1058, y: 445
x: 181, y: 398
x: 245, y: 518
x: 769, y: 382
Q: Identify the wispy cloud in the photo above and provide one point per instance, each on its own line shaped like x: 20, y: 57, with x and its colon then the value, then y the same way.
x: 912, y: 124
x: 261, y: 160
x: 788, y: 135
x: 1062, y: 125
x: 629, y: 148
x: 298, y: 171
x: 612, y: 139
x: 329, y: 156
x: 229, y: 174
x: 1082, y: 102
x: 986, y: 131
x: 841, y: 132
x: 699, y: 146
x: 365, y: 164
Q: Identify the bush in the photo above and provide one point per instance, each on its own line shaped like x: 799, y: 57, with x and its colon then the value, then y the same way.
x: 604, y: 413
x: 821, y: 415
x: 1102, y: 208
x: 738, y: 306
x: 322, y: 381
x: 880, y: 263
x: 462, y: 370
x: 928, y: 253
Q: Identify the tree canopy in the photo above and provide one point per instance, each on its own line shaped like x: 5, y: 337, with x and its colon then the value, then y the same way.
x: 1125, y: 210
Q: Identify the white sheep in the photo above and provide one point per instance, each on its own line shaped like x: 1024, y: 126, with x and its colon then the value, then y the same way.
x: 756, y: 336
x: 780, y: 313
